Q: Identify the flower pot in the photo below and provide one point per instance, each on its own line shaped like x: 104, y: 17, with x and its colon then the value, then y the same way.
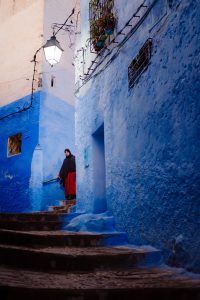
x: 109, y: 26
x: 108, y: 31
x: 99, y: 43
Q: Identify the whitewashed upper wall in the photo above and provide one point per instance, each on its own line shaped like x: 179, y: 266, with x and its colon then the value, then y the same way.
x: 11, y: 7
x: 21, y: 31
x: 57, y: 11
x: 123, y: 11
x: 25, y: 26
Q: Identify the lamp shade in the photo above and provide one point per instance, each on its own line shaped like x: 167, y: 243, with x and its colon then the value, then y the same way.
x: 52, y: 51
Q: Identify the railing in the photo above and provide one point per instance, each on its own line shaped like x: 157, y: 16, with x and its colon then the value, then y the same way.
x: 50, y: 181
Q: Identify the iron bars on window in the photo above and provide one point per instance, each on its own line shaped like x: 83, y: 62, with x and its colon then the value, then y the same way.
x: 139, y: 63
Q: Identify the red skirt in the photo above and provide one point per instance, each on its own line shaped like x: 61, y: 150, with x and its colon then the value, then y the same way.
x: 70, y: 184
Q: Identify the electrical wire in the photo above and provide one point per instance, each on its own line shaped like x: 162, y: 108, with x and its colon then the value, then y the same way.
x: 34, y: 71
x: 32, y: 89
x: 73, y: 10
x: 17, y: 79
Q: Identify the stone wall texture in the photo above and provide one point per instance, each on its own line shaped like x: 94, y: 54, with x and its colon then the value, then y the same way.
x: 151, y: 132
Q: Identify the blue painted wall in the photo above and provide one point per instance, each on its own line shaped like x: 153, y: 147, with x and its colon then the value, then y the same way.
x: 15, y: 170
x: 47, y: 129
x: 57, y: 133
x: 151, y: 133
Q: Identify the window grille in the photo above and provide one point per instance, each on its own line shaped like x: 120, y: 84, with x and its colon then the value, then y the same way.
x: 14, y: 144
x: 98, y: 8
x: 140, y: 63
x: 102, y: 22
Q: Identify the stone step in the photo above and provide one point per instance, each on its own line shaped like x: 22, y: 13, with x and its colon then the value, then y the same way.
x: 51, y: 238
x: 71, y: 258
x: 37, y: 216
x: 30, y: 225
x: 138, y: 283
x: 66, y: 202
x: 64, y: 207
x: 61, y: 208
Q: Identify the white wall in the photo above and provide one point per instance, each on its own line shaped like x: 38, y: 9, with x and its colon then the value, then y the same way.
x: 57, y: 11
x: 21, y: 34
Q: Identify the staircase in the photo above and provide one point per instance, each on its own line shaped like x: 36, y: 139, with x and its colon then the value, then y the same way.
x: 39, y: 261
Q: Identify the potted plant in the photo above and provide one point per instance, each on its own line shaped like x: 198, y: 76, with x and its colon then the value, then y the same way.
x: 99, y: 42
x: 109, y: 23
x: 97, y: 36
x: 100, y: 29
x: 105, y: 23
x: 100, y: 23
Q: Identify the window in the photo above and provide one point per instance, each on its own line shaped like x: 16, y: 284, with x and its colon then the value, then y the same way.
x: 14, y: 144
x: 52, y: 80
x: 139, y: 63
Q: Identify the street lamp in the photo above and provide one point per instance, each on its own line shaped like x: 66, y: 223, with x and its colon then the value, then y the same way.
x: 52, y: 48
x: 52, y: 51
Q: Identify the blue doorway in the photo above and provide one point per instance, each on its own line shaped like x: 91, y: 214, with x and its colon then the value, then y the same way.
x: 99, y: 173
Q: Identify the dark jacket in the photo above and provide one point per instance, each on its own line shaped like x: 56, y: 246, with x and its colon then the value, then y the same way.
x: 69, y: 165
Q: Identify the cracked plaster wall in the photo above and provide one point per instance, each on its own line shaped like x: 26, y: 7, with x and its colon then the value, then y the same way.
x: 151, y: 133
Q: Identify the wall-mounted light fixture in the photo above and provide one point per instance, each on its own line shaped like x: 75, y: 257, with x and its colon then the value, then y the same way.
x: 52, y: 51
x: 52, y: 48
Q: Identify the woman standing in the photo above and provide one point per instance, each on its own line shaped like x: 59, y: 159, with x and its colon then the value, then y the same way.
x: 67, y: 175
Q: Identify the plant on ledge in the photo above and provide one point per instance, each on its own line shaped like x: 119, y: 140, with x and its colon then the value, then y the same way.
x: 100, y: 29
x: 98, y: 37
x: 106, y: 23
